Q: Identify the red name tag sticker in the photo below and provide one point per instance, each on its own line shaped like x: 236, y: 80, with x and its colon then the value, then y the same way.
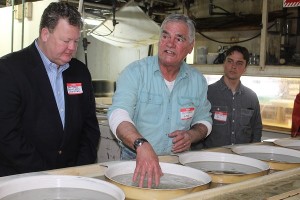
x: 187, y: 113
x: 220, y: 116
x: 74, y: 88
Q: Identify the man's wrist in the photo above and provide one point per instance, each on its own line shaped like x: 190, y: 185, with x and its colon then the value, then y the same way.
x: 139, y: 142
x: 198, y: 132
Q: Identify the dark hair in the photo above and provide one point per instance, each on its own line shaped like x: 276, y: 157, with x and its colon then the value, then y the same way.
x: 60, y: 10
x: 239, y: 49
x: 182, y: 18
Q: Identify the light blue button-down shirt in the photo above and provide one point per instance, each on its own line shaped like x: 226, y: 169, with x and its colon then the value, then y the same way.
x: 56, y: 80
x: 155, y: 110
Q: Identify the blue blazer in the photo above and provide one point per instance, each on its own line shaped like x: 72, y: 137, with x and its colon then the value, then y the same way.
x: 32, y: 137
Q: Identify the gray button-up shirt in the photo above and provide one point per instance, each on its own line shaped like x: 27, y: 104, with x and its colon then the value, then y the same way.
x: 236, y: 117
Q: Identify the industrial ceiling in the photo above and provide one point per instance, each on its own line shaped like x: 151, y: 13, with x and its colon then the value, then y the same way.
x: 156, y: 9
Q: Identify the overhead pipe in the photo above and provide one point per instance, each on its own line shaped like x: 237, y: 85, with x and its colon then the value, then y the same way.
x: 165, y: 2
x: 12, y: 24
x: 85, y: 43
x: 23, y: 17
x: 96, y: 5
x: 80, y: 7
x: 84, y: 39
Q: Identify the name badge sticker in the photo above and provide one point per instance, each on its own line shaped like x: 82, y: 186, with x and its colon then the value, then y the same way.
x: 220, y: 116
x: 187, y: 113
x: 74, y: 88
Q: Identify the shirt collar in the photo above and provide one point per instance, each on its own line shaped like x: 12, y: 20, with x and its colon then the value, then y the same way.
x: 47, y: 63
x: 183, y: 72
x: 223, y: 86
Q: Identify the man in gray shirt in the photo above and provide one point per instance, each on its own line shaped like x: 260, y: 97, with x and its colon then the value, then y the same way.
x: 235, y: 108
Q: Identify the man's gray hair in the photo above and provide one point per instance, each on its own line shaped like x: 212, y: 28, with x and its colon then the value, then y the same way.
x: 181, y: 18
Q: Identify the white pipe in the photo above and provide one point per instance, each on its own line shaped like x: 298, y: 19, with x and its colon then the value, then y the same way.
x: 97, y: 5
x: 23, y: 17
x: 80, y: 7
x: 12, y: 24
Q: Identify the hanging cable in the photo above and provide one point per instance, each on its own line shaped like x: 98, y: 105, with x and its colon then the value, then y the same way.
x: 255, y: 36
x: 246, y: 40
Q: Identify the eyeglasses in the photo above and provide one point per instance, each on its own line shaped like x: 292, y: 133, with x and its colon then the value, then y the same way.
x: 238, y: 63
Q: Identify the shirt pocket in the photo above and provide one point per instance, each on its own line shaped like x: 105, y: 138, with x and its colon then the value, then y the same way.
x: 219, y: 115
x: 150, y: 108
x: 188, y: 102
x: 149, y: 98
x: 246, y: 115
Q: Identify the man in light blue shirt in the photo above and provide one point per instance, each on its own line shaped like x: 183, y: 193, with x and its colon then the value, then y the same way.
x: 160, y: 105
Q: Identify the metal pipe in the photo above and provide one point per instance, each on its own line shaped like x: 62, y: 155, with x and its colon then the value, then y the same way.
x: 84, y: 40
x: 165, y: 2
x: 12, y: 24
x: 23, y: 17
x: 263, y: 37
x: 96, y: 5
x: 80, y: 7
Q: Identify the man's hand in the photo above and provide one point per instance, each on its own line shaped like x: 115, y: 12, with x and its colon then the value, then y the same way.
x: 182, y: 141
x: 147, y: 166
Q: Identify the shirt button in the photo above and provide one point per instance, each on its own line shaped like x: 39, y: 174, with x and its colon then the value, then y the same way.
x: 233, y: 109
x: 232, y: 121
x: 232, y: 133
x: 59, y: 152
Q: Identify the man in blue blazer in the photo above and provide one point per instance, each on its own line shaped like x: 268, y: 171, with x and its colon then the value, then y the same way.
x: 47, y: 105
